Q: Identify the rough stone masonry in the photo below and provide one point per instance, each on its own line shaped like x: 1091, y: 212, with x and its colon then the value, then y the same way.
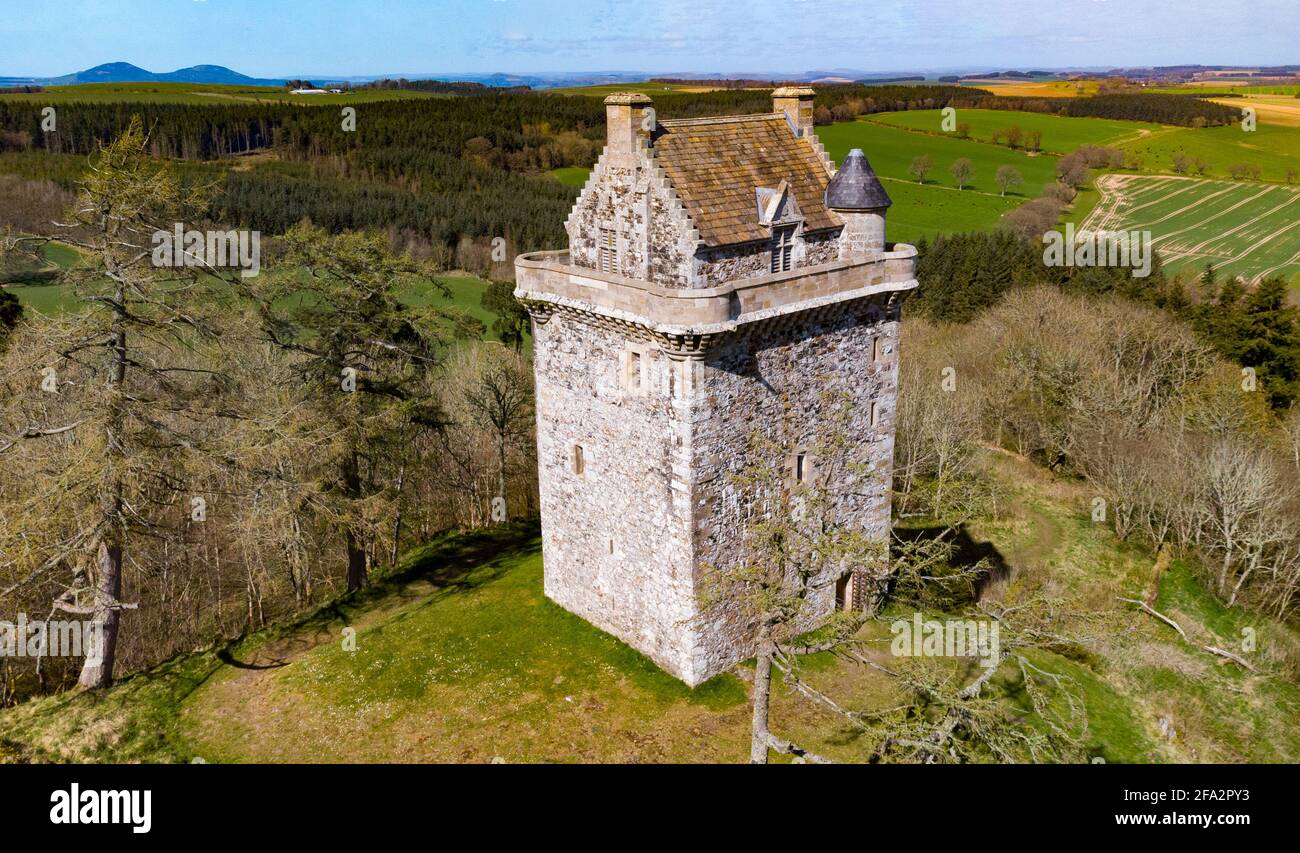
x: 722, y: 275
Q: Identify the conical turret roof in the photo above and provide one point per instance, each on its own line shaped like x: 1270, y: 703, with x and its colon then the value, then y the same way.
x: 855, y: 186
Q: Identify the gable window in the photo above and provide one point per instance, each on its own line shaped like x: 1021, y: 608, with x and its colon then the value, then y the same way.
x: 782, y: 245
x: 607, y: 250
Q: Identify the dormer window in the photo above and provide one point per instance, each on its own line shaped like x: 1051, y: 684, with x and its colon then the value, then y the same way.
x: 607, y: 251
x: 782, y: 246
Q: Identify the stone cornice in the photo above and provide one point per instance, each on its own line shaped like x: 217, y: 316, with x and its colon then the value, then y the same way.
x: 874, y: 302
x: 549, y: 277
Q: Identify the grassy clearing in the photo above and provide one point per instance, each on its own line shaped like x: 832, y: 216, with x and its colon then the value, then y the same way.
x: 200, y: 93
x: 571, y: 176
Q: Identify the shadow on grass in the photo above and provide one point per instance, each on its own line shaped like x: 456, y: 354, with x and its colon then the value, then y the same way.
x: 457, y: 562
x: 967, y: 553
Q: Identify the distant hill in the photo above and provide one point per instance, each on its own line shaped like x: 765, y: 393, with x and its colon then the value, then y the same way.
x: 125, y: 72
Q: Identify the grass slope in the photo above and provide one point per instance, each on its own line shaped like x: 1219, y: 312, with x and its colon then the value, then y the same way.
x: 1061, y: 134
x: 937, y: 206
x: 459, y: 657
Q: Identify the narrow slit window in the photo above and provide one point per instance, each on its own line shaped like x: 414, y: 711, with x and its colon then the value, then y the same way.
x: 875, y: 413
x: 607, y: 250
x: 782, y: 246
x: 633, y: 378
x: 800, y: 467
x: 579, y: 464
x: 875, y: 349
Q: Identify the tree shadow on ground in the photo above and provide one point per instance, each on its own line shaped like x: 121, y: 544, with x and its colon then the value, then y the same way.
x: 967, y: 553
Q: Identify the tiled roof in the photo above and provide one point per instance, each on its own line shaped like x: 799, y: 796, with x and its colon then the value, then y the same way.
x: 716, y: 164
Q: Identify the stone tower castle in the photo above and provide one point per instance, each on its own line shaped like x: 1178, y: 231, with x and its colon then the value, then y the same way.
x: 721, y: 275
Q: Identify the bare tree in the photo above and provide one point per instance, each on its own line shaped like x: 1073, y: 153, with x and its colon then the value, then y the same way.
x: 1007, y: 177
x: 131, y: 378
x: 502, y: 395
x: 920, y: 166
x: 962, y: 170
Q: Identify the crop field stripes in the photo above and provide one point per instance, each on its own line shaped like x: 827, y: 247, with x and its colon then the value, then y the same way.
x: 1242, y: 229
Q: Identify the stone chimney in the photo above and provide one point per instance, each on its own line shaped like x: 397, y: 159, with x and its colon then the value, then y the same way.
x: 797, y: 104
x: 629, y: 121
x: 859, y: 199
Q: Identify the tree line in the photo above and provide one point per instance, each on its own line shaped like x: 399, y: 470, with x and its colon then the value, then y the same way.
x: 962, y: 275
x: 190, y: 454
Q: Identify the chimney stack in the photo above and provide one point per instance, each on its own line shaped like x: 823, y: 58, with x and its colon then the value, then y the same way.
x: 797, y: 104
x: 629, y: 121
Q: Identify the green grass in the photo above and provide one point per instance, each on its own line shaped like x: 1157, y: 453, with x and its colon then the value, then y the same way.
x: 464, y: 291
x: 39, y: 291
x: 200, y: 93
x: 1274, y: 148
x: 1143, y: 672
x: 937, y: 206
x: 464, y: 294
x: 1244, y: 229
x: 459, y: 657
x: 1226, y: 89
x: 572, y: 176
x: 1061, y: 134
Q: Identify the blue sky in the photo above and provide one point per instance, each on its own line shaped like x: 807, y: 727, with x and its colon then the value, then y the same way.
x: 288, y: 37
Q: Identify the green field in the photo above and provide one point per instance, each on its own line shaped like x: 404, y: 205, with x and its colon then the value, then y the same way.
x: 1226, y: 89
x: 1274, y: 148
x: 1061, y: 134
x: 200, y: 93
x: 892, y: 140
x: 937, y: 206
x: 1250, y: 230
x: 650, y: 89
x: 464, y: 292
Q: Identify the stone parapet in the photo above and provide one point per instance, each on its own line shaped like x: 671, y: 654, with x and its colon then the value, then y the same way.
x: 546, y: 281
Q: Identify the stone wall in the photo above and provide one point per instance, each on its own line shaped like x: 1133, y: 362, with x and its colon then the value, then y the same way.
x: 772, y: 380
x: 616, y: 538
x: 628, y: 542
x: 751, y: 260
x: 655, y: 239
